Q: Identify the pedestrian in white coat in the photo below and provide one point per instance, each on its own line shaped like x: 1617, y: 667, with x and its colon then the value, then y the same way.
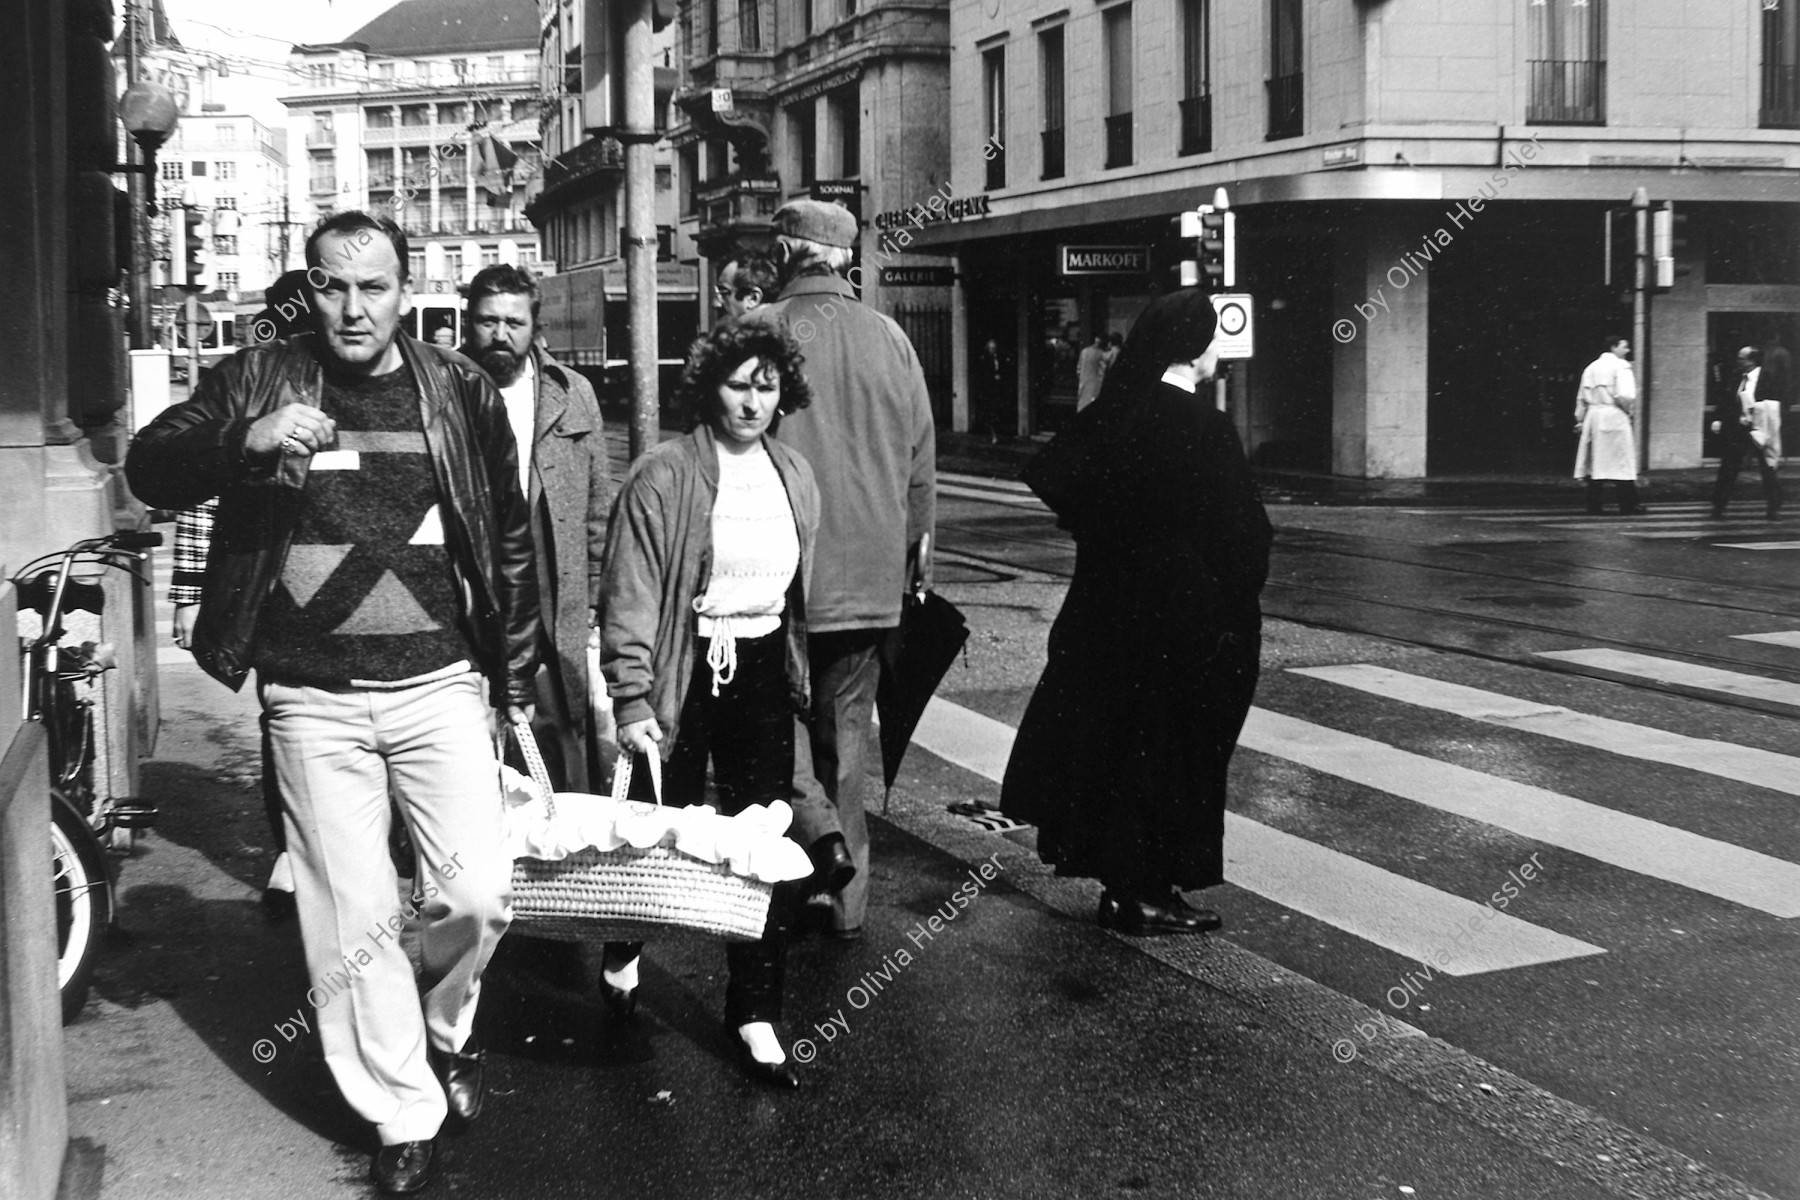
x: 1605, y: 412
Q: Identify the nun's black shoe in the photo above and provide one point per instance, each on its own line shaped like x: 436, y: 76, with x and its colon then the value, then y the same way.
x: 1141, y: 918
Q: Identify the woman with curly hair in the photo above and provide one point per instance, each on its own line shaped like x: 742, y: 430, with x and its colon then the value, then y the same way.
x: 703, y: 629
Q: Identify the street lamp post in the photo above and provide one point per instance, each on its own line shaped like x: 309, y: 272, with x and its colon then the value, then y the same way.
x: 149, y: 114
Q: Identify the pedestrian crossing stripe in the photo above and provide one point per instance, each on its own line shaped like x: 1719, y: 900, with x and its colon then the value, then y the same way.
x: 1411, y: 919
x: 1786, y: 637
x: 1622, y: 840
x: 1626, y: 664
x: 1727, y: 760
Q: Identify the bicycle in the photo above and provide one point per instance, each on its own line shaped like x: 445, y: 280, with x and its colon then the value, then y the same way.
x: 59, y: 681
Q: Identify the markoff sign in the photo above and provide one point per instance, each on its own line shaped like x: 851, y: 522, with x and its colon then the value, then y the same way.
x: 1104, y: 260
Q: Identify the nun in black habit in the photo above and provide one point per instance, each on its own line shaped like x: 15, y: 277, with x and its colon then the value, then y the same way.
x: 1121, y: 758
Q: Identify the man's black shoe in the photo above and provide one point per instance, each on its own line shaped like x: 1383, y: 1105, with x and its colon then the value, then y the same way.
x: 402, y: 1169
x: 833, y: 868
x: 462, y: 1074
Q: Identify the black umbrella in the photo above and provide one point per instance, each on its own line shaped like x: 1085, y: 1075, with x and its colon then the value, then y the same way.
x: 913, y: 662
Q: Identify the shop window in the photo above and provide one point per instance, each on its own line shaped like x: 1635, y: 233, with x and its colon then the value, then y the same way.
x: 1116, y: 31
x: 1196, y: 76
x: 1050, y: 53
x: 1781, y: 66
x: 1566, y: 62
x: 1287, y: 58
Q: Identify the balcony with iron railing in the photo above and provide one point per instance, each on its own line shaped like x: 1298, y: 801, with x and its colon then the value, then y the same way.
x: 1053, y: 153
x: 1566, y: 92
x: 1118, y: 140
x: 322, y: 185
x: 1780, y: 96
x: 1287, y: 111
x: 1196, y: 125
x: 736, y: 206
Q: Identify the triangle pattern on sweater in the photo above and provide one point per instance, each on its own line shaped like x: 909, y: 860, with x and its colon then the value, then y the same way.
x: 389, y: 608
x: 308, y: 566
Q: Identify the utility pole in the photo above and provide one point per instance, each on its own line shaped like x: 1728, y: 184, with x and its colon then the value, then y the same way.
x: 136, y: 191
x: 640, y: 223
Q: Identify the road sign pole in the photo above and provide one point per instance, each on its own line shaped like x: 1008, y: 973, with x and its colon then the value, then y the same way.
x: 1640, y: 207
x: 193, y: 337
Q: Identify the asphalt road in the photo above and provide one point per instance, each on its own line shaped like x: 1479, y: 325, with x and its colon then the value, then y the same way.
x: 1366, y: 1025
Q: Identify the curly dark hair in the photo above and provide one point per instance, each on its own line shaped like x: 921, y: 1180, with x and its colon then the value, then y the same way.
x: 715, y: 355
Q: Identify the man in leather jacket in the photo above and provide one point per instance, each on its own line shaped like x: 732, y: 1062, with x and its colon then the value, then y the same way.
x: 372, y: 562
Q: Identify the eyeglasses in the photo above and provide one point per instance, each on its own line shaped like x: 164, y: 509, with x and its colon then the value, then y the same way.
x: 722, y: 294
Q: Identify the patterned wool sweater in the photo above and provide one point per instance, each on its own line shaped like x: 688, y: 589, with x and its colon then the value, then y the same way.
x: 368, y: 594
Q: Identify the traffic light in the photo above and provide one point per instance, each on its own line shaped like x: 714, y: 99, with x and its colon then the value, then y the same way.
x: 1214, y: 230
x: 187, y: 253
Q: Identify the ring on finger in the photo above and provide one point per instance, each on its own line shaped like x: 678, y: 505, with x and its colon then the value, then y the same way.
x: 292, y: 445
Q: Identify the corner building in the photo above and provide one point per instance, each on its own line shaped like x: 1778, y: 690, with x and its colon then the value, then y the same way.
x: 844, y: 100
x: 1420, y: 189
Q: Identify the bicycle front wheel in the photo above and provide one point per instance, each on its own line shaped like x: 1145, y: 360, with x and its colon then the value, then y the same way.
x: 83, y: 903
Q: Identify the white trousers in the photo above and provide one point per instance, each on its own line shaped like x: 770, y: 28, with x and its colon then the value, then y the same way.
x: 337, y: 753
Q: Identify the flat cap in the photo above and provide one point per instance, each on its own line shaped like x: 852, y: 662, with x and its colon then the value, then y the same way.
x: 817, y: 221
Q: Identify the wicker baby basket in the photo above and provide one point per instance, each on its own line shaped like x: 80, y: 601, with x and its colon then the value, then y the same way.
x: 628, y: 894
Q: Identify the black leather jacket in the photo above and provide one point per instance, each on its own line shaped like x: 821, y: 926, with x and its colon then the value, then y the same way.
x: 195, y: 451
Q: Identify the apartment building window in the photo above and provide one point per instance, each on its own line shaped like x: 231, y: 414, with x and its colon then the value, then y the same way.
x: 459, y: 68
x: 1781, y: 66
x: 750, y: 25
x: 415, y: 264
x: 687, y: 159
x: 322, y: 175
x: 453, y: 213
x: 379, y: 118
x: 1196, y: 76
x: 803, y: 123
x: 226, y: 281
x: 418, y: 168
x: 1116, y: 32
x: 385, y: 72
x: 172, y: 170
x: 1287, y: 65
x: 453, y: 114
x: 225, y: 243
x: 1567, y: 62
x: 229, y: 203
x: 415, y: 115
x: 528, y: 255
x: 1050, y: 52
x: 453, y: 263
x: 846, y: 117
x: 993, y: 114
x: 496, y: 67
x: 228, y: 133
x: 381, y: 168
x: 806, y: 17
x: 490, y: 254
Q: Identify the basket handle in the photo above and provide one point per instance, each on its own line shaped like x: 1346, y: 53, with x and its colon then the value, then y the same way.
x: 534, y: 761
x: 540, y: 773
x: 621, y: 785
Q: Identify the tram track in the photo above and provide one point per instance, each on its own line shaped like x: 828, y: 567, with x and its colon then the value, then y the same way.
x: 1300, y: 591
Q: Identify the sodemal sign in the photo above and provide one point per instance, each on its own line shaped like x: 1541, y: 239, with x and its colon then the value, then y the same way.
x: 1104, y: 260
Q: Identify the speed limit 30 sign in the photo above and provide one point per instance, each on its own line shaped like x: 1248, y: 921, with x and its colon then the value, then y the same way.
x: 1237, y: 329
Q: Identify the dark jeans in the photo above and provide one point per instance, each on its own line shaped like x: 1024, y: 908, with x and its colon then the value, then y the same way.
x: 747, y: 730
x: 1737, y: 445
